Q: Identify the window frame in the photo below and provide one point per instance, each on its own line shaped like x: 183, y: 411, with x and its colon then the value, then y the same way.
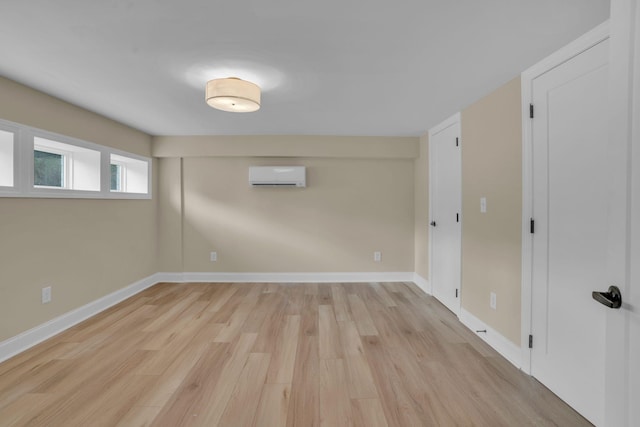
x: 23, y: 167
x: 10, y: 127
x: 128, y: 166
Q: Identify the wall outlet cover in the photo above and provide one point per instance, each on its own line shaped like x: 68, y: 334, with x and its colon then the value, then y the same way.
x: 46, y: 295
x: 377, y: 256
x: 214, y: 256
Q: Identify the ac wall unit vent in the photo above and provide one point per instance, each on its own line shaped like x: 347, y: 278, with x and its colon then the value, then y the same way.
x: 277, y: 176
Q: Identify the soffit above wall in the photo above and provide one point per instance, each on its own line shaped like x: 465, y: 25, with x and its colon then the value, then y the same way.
x: 286, y: 146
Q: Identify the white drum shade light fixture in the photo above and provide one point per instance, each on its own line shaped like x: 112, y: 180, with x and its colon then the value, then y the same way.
x: 233, y: 94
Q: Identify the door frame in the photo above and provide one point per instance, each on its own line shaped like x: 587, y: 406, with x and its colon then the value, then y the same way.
x: 585, y: 42
x: 454, y: 120
x: 622, y: 384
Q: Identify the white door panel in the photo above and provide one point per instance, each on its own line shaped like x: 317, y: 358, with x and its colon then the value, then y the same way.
x: 570, y: 132
x: 446, y: 195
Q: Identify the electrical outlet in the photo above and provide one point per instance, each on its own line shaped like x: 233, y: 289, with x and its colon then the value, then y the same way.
x: 377, y: 256
x: 493, y: 300
x: 214, y: 256
x: 46, y: 295
x: 483, y: 204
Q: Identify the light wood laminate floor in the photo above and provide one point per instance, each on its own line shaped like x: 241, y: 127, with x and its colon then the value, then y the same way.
x: 377, y: 354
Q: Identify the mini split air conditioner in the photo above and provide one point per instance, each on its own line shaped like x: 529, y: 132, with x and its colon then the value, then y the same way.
x: 277, y: 176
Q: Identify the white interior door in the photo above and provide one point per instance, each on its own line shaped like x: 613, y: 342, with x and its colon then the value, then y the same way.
x: 445, y: 211
x: 569, y: 245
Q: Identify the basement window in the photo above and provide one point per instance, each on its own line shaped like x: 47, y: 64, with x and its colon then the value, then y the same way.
x: 129, y: 175
x: 57, y: 165
x: 7, y: 142
x: 36, y: 163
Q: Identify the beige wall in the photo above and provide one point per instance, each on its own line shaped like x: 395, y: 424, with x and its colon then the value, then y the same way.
x: 169, y: 231
x: 350, y: 208
x: 83, y: 248
x: 491, y: 242
x: 421, y: 215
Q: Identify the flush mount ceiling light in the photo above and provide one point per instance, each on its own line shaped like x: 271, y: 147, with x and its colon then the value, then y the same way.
x: 233, y: 94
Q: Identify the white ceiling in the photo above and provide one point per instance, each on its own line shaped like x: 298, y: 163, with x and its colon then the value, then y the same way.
x: 330, y: 67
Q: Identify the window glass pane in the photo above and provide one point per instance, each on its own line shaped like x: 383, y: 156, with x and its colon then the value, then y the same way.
x: 48, y: 169
x: 6, y: 158
x: 116, y: 178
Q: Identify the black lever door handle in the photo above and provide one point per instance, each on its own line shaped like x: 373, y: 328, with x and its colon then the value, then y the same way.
x: 433, y: 223
x: 612, y: 298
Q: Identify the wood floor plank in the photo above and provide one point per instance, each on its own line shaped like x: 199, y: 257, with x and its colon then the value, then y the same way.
x: 267, y: 304
x: 71, y: 399
x: 324, y: 294
x: 222, y: 299
x: 129, y: 314
x: 244, y: 400
x: 162, y: 338
x: 340, y: 303
x: 383, y: 295
x: 368, y: 413
x: 25, y: 378
x: 309, y: 316
x: 223, y: 312
x: 139, y: 416
x: 241, y: 354
x: 304, y: 407
x: 16, y: 413
x: 350, y: 338
x: 168, y: 317
x: 284, y: 354
x: 191, y: 398
x: 109, y: 406
x: 311, y: 289
x: 171, y: 379
x: 233, y: 327
x: 330, y: 346
x: 270, y: 330
x: 92, y: 343
x: 335, y: 404
x: 396, y: 402
x: 359, y: 377
x: 123, y: 356
x: 34, y: 356
x: 295, y: 299
x: 231, y: 371
x: 274, y: 405
x: 361, y: 316
x: 271, y: 288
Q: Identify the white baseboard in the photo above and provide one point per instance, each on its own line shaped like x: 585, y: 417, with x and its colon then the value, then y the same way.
x: 422, y: 283
x: 502, y: 345
x: 36, y: 335
x: 285, y: 277
x: 170, y: 277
